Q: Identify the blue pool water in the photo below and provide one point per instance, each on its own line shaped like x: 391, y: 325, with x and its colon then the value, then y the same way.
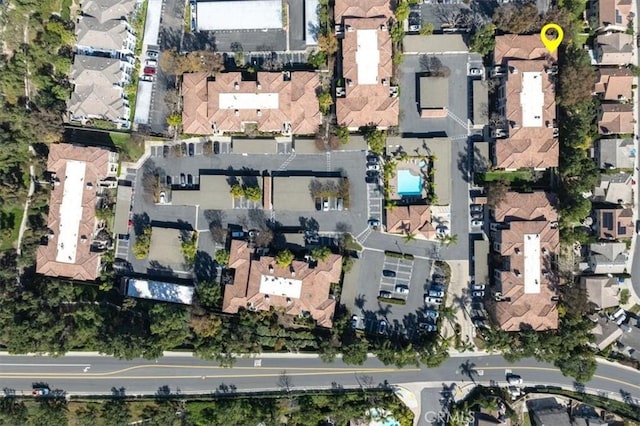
x: 409, y: 184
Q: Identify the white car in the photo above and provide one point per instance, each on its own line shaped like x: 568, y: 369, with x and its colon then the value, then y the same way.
x: 402, y: 289
x: 325, y: 205
x: 476, y: 223
x: 475, y: 71
x: 163, y: 197
x: 373, y: 167
x: 151, y: 63
x: 478, y: 287
x: 478, y: 294
x: 436, y: 293
x: 514, y: 379
x: 433, y: 300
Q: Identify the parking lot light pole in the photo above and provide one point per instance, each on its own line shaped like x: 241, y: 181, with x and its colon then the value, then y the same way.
x: 401, y: 251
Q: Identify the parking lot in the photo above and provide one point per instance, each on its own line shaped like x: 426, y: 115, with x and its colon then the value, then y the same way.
x: 401, y: 269
x: 374, y: 200
x: 403, y: 319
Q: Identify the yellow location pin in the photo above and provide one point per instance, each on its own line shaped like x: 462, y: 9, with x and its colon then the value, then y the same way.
x: 553, y: 44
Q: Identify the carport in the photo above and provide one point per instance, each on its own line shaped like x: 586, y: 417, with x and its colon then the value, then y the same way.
x: 254, y: 146
x: 239, y: 15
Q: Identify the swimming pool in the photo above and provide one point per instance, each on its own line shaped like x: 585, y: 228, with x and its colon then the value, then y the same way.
x: 408, y: 184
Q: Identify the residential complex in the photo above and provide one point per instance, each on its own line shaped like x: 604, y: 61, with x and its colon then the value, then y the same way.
x: 526, y: 240
x: 366, y: 93
x: 104, y: 62
x: 278, y: 102
x: 527, y: 106
x: 76, y: 237
x: 301, y: 289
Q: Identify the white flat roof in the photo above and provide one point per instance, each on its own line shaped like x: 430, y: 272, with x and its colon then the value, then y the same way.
x: 157, y: 290
x: 311, y: 22
x: 279, y: 286
x: 367, y: 56
x: 71, y: 211
x: 249, y: 101
x: 532, y: 99
x: 239, y: 15
x: 532, y: 269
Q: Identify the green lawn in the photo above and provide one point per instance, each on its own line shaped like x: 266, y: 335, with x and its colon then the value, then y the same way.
x: 518, y: 175
x: 9, y: 235
x: 129, y: 150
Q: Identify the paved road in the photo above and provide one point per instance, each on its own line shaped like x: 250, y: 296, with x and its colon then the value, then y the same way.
x: 181, y: 373
x: 635, y: 265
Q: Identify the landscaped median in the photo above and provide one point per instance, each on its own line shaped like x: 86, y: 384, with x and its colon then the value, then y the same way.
x: 397, y: 255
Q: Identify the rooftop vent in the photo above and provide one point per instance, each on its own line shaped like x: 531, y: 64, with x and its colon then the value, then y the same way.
x: 383, y: 27
x: 259, y: 112
x: 258, y: 85
x: 266, y: 297
x: 237, y: 112
x: 349, y: 28
x: 271, y: 269
x: 236, y: 85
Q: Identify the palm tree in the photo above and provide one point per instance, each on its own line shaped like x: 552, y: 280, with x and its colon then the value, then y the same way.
x: 448, y: 313
x: 447, y: 240
x: 409, y: 237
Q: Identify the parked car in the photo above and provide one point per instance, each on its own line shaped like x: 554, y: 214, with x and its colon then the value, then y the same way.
x: 149, y: 70
x: 433, y: 300
x: 475, y: 71
x: 152, y: 54
x: 189, y: 179
x: 238, y: 234
x: 163, y: 197
x: 354, y: 321
x: 388, y: 273
x: 325, y: 204
x: 151, y: 63
x: 477, y: 294
x: 429, y: 328
x: 477, y: 216
x: 165, y: 151
x: 372, y: 176
x: 475, y: 208
x: 402, y: 289
x: 169, y: 181
x: 382, y: 327
x: 476, y: 223
x: 374, y: 167
x: 183, y: 180
x: 415, y: 21
x: 386, y: 294
x: 514, y: 379
x: 147, y: 78
x: 340, y: 204
x: 41, y: 391
x: 479, y: 323
x: 436, y: 293
x: 478, y: 287
x: 374, y: 223
x: 431, y: 314
x: 191, y: 149
x: 373, y: 159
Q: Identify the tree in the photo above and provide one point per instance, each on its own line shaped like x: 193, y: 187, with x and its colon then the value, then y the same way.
x: 343, y: 134
x: 284, y: 258
x: 483, y: 40
x: 409, y: 237
x: 497, y: 192
x: 189, y: 247
x: 447, y: 239
x: 237, y: 191
x: 321, y: 253
x: 116, y: 412
x: 427, y: 29
x: 377, y: 139
x: 222, y: 257
x: 328, y: 43
x: 516, y: 19
x: 264, y: 238
x: 174, y: 119
x: 402, y: 10
x: 317, y: 59
x: 397, y: 32
x: 325, y: 100
x: 253, y: 193
x: 141, y: 246
x: 355, y: 353
x: 576, y: 77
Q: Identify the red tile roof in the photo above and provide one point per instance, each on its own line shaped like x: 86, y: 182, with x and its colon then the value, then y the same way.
x: 361, y: 9
x: 537, y: 205
x: 97, y: 160
x: 410, y: 220
x: 367, y: 103
x: 297, y: 102
x: 314, y: 295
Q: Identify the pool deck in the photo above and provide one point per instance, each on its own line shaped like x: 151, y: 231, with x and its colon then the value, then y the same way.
x: 413, y: 166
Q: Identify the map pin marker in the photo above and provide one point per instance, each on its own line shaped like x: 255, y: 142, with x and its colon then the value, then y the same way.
x: 551, y: 44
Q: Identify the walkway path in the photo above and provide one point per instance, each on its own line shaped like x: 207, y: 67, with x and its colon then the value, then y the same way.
x: 23, y: 224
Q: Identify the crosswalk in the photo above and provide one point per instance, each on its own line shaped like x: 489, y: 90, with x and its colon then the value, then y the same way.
x: 284, y: 165
x: 328, y: 156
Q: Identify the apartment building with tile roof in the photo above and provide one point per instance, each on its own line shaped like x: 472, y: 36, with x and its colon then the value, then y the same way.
x: 366, y: 95
x: 303, y: 289
x: 526, y: 240
x: 77, y: 173
x: 528, y: 137
x: 415, y: 219
x: 275, y: 102
x: 614, y: 84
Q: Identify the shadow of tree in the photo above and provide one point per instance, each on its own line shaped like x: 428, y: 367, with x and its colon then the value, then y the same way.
x: 140, y: 221
x: 204, y: 267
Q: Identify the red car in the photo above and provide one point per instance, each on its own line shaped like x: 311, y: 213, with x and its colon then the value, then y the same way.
x: 149, y: 70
